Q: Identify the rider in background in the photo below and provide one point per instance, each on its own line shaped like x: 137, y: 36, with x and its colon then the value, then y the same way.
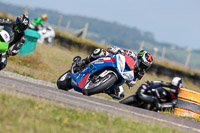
x: 38, y: 22
x: 171, y: 95
x: 143, y: 61
x: 18, y: 26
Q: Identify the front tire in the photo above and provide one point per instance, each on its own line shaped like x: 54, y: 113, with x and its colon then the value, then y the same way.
x: 105, y: 83
x: 131, y: 100
x: 64, y: 81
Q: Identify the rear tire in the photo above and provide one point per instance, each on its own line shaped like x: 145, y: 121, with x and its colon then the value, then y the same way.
x: 64, y: 81
x: 95, y: 89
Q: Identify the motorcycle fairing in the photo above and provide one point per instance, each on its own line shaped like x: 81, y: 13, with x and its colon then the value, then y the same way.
x: 127, y: 74
x: 82, y: 78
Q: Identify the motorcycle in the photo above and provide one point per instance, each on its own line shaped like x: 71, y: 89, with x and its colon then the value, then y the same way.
x: 100, y: 76
x: 163, y: 98
x: 6, y: 36
x: 47, y: 33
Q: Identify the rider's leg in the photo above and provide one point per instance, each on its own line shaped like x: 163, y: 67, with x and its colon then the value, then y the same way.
x: 117, y: 93
x: 97, y: 53
x: 3, y: 61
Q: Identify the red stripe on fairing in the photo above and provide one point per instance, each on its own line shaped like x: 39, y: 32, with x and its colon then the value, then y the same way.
x: 83, y: 81
x: 112, y: 59
x: 130, y: 62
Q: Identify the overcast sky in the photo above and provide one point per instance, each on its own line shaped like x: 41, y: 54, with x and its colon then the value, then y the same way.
x: 174, y: 21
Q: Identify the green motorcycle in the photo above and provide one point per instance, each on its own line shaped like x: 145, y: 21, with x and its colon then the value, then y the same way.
x: 6, y: 36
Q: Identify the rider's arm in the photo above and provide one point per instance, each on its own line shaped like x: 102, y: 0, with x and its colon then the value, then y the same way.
x: 129, y: 53
x: 137, y: 76
x: 39, y: 21
x: 159, y: 83
x: 6, y: 22
x: 115, y: 50
x: 97, y: 53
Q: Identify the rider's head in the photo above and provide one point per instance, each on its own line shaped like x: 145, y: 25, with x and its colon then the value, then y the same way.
x: 144, y: 60
x: 21, y: 23
x: 44, y: 17
x: 176, y: 84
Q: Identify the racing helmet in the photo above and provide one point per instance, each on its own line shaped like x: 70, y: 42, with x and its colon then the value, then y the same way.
x: 144, y: 60
x: 176, y: 84
x: 44, y: 17
x: 21, y: 23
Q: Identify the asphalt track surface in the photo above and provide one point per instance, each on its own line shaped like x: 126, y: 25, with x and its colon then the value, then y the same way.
x: 50, y: 92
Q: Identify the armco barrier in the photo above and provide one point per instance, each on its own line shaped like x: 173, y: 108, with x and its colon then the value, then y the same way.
x: 165, y: 71
x: 31, y: 41
x: 188, y: 104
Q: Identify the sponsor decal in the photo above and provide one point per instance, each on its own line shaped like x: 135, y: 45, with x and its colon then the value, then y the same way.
x: 149, y: 58
x: 98, y: 62
x: 140, y: 53
x: 5, y: 35
x: 144, y: 86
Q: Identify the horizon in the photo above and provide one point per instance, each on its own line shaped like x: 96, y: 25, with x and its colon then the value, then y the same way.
x: 182, y: 29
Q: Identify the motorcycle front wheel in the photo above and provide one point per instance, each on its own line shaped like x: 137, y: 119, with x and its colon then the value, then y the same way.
x: 131, y: 100
x: 100, y: 85
x: 64, y: 81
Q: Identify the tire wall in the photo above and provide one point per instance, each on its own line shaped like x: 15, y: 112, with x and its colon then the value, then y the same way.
x: 165, y: 71
x: 188, y: 104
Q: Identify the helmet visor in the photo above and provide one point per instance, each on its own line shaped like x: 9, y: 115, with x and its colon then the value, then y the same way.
x: 142, y: 66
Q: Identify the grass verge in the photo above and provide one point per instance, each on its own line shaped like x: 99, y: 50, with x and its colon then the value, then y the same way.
x: 19, y: 114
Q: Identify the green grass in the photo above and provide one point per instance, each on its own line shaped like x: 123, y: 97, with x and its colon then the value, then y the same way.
x: 19, y: 114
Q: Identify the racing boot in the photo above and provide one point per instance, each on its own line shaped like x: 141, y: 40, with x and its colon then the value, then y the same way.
x: 117, y: 93
x: 3, y: 61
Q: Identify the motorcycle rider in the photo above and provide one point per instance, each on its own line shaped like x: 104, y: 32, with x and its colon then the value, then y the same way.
x: 38, y: 22
x: 143, y: 62
x: 18, y: 27
x: 171, y: 95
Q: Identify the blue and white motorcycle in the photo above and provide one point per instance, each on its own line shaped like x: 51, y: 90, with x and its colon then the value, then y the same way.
x: 100, y: 76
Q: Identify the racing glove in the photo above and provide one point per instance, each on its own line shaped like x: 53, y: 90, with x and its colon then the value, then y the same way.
x: 130, y: 83
x: 149, y: 82
x: 115, y: 50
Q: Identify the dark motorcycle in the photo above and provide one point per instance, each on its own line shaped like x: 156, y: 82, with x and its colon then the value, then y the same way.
x: 162, y: 96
